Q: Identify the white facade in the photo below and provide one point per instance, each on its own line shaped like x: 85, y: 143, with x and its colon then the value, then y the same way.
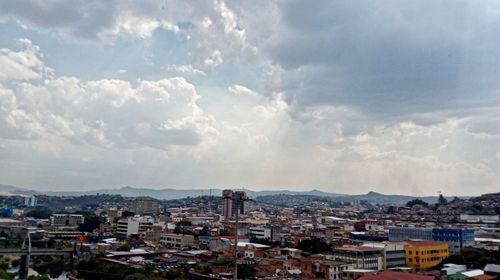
x: 260, y: 232
x: 60, y: 220
x: 335, y: 270
x: 177, y: 241
x: 249, y: 254
x: 450, y: 269
x: 487, y: 219
x: 133, y: 225
x: 374, y: 227
x: 30, y: 201
x: 362, y: 257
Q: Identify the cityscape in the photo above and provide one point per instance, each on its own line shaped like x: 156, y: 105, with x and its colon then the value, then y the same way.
x: 259, y: 140
x: 109, y: 236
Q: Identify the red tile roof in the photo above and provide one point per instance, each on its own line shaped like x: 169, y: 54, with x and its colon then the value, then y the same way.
x: 395, y: 275
x: 484, y: 277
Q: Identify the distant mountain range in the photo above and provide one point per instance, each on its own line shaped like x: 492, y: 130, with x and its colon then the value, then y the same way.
x: 169, y: 193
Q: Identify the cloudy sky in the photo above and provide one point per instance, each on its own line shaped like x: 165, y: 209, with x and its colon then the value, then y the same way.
x: 343, y: 96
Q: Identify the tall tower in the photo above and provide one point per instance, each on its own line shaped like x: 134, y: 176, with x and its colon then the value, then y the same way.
x: 239, y: 199
x: 227, y: 204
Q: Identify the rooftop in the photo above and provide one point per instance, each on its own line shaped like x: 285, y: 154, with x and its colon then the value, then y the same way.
x: 356, y: 248
x: 473, y: 273
x: 359, y: 270
x: 424, y: 243
x: 492, y: 268
x: 395, y: 275
x: 256, y: 245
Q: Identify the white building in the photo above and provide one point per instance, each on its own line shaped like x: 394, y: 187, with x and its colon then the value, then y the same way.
x: 450, y: 268
x: 486, y: 219
x: 361, y: 256
x: 374, y: 227
x: 335, y: 271
x: 177, y: 241
x: 133, y: 225
x: 260, y: 232
x: 393, y: 253
x: 30, y: 201
x: 61, y: 220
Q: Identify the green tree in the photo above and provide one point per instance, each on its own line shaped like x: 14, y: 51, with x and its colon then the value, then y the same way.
x: 442, y: 200
x: 136, y: 276
x: 180, y: 227
x: 5, y: 275
x: 127, y: 214
x: 39, y: 212
x: 91, y: 222
x: 53, y: 267
x: 124, y: 247
x: 4, y: 264
x: 313, y: 246
x: 15, y: 262
x: 416, y: 201
x: 207, y: 269
x: 391, y: 210
x: 246, y: 271
x: 224, y: 261
x: 184, y: 224
x: 473, y: 258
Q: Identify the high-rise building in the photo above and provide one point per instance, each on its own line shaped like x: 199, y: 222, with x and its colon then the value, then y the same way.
x: 239, y: 199
x: 132, y: 225
x: 232, y: 202
x: 227, y: 204
x: 30, y: 201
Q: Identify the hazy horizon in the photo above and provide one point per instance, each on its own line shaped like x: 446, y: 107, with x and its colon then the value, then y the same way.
x: 352, y: 96
x: 207, y: 189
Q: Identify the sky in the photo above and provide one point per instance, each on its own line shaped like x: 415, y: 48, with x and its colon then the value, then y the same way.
x: 398, y: 97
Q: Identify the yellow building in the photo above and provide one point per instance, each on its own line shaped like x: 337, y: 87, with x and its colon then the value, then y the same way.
x: 425, y: 254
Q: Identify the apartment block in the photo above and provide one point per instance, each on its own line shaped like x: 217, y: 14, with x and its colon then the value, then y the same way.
x: 177, y: 241
x: 457, y: 239
x: 362, y: 257
x: 425, y: 254
x: 70, y: 220
x: 260, y: 232
x: 132, y: 225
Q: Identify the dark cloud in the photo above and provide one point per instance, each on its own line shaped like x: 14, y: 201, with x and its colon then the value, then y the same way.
x: 389, y: 59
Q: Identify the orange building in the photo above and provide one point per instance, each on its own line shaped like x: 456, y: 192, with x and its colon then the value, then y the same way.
x: 425, y: 254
